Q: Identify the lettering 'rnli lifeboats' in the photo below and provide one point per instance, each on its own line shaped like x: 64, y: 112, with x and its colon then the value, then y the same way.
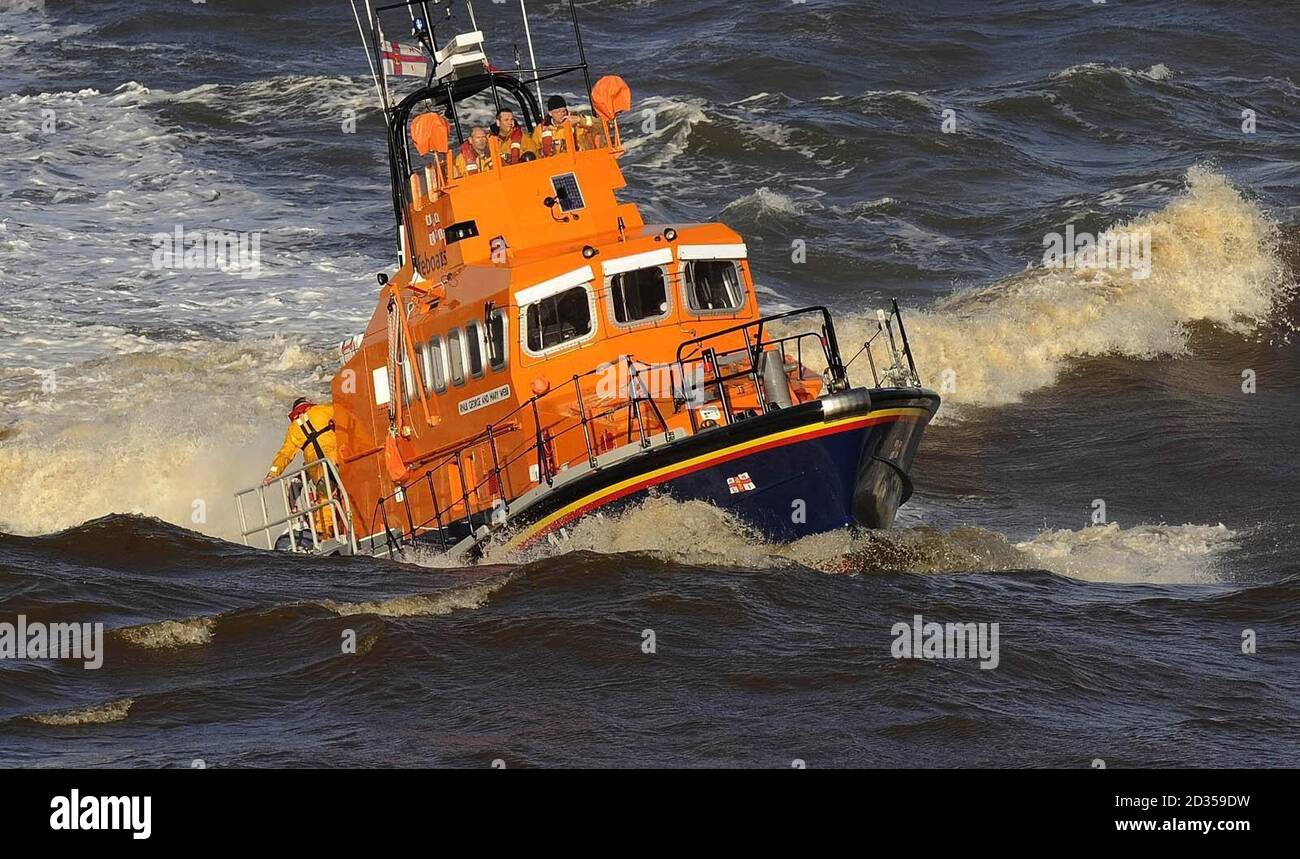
x: 542, y: 353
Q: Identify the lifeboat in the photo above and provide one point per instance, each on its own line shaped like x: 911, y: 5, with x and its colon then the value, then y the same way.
x: 540, y: 353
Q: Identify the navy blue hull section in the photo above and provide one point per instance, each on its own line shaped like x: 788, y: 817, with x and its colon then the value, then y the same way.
x: 800, y: 489
x: 792, y: 473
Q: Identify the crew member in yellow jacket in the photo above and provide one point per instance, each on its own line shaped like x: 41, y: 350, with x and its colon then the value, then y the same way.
x: 311, y: 432
x: 560, y: 127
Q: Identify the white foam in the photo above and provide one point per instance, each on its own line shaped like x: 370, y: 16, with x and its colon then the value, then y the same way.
x: 100, y: 714
x: 180, y: 400
x: 674, y: 122
x: 462, y: 598
x: 169, y: 634
x: 77, y: 242
x: 701, y: 534
x: 1163, y: 554
x: 167, y: 432
x: 1214, y: 259
x: 310, y: 96
x: 1157, y: 72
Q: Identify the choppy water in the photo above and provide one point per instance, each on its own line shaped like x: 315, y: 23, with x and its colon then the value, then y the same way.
x: 818, y: 122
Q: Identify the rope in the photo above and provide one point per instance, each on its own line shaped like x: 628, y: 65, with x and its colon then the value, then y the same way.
x: 394, y: 393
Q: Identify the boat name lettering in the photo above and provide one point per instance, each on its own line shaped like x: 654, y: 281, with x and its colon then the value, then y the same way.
x: 482, y: 401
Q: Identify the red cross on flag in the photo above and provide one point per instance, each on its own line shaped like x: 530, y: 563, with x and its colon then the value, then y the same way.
x: 740, y: 483
x: 403, y: 60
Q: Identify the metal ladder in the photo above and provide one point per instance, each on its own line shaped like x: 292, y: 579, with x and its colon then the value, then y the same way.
x: 293, y: 512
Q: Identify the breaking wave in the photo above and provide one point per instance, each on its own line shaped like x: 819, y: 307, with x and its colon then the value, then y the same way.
x: 671, y: 134
x: 1214, y: 259
x: 22, y: 5
x: 266, y: 99
x: 179, y: 432
x: 133, y: 390
x: 169, y: 634
x: 1147, y: 553
x: 1158, y: 72
x: 464, y: 598
x: 100, y: 714
x: 700, y: 534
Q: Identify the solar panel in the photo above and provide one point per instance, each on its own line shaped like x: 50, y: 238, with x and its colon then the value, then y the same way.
x: 567, y: 192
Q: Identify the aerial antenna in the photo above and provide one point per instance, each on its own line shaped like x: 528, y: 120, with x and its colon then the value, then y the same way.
x: 369, y: 61
x: 420, y: 30
x: 376, y: 32
x: 528, y: 34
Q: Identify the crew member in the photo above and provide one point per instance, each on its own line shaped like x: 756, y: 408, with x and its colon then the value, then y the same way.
x: 311, y: 432
x: 475, y: 155
x: 561, y: 125
x: 515, y: 145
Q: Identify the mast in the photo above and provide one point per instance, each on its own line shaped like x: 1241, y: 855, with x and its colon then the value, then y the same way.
x: 532, y: 55
x: 582, y: 51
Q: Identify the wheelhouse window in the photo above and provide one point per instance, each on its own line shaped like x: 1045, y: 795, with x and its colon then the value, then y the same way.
x: 456, y: 356
x: 559, y: 319
x: 435, y: 365
x: 474, y: 345
x: 714, y: 286
x: 639, y: 296
x: 496, y: 340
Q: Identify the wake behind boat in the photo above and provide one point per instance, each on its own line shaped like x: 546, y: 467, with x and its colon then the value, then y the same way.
x: 541, y: 353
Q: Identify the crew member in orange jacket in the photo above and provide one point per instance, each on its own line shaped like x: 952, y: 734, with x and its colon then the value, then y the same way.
x: 311, y: 432
x: 475, y: 155
x: 515, y: 145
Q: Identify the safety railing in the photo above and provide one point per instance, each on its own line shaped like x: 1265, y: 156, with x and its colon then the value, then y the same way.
x: 463, y: 490
x: 900, y: 372
x: 484, y: 468
x: 471, y: 487
x: 761, y: 361
x: 751, y: 360
x: 309, y: 505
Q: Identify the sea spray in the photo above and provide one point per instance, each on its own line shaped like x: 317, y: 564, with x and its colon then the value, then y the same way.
x: 1213, y: 259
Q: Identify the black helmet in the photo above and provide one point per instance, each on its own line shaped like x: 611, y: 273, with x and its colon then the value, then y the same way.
x: 556, y: 102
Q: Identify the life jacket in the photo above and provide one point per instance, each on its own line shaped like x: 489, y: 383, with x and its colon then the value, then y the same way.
x: 577, y: 136
x: 471, y: 157
x: 312, y: 435
x: 512, y: 147
x: 550, y: 145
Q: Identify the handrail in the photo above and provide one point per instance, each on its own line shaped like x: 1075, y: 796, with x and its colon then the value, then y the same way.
x: 756, y: 344
x: 828, y: 329
x: 893, y: 373
x: 544, y: 439
x: 335, y: 499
